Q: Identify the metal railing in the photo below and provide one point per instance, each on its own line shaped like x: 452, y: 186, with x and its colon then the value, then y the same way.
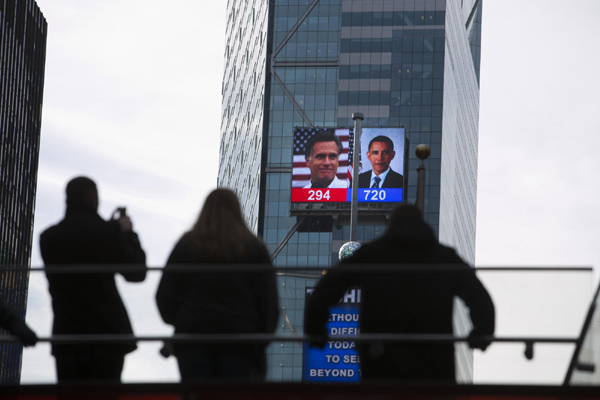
x: 315, y: 273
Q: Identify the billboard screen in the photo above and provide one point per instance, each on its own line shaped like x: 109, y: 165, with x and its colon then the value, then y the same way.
x: 339, y: 360
x: 323, y: 165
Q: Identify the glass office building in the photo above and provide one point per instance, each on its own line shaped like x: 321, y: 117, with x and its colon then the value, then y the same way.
x: 23, y: 31
x: 312, y: 63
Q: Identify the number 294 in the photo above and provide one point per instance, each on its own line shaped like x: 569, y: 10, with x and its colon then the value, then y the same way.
x: 317, y: 195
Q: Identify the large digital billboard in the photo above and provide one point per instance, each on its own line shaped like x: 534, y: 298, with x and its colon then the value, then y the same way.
x: 323, y: 165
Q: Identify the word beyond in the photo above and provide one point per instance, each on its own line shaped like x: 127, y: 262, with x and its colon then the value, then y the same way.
x: 333, y: 373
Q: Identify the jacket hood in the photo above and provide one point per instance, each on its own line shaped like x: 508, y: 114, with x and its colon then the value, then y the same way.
x: 411, y: 233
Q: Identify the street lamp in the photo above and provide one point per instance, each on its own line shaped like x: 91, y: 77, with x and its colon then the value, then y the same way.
x: 422, y: 152
x: 348, y: 248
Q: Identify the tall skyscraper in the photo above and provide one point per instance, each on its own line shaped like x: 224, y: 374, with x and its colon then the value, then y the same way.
x: 312, y: 63
x: 22, y: 58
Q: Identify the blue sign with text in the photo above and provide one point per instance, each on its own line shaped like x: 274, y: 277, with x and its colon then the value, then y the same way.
x: 338, y: 361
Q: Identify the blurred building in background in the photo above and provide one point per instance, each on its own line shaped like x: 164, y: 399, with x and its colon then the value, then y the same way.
x: 309, y: 63
x: 23, y: 31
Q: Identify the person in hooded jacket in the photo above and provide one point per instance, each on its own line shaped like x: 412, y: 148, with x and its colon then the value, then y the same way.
x: 405, y: 303
x: 219, y: 302
x: 89, y: 303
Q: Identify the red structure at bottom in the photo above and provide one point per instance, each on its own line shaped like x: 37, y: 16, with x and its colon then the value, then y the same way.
x: 296, y: 391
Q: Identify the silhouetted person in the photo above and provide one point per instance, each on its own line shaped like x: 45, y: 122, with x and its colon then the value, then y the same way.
x: 89, y: 303
x: 405, y: 303
x: 212, y: 303
x: 10, y: 321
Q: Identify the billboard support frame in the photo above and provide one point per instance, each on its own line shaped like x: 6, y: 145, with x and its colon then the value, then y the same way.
x: 287, y: 237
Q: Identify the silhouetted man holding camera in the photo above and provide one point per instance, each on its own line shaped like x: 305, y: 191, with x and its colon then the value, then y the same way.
x: 419, y: 301
x: 13, y: 323
x: 89, y: 303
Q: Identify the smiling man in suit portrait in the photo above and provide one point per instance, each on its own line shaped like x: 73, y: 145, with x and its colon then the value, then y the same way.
x: 380, y: 154
x: 323, y: 152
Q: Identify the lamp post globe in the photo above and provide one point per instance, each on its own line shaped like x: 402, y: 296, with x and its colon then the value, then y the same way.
x: 347, y: 250
x: 422, y: 151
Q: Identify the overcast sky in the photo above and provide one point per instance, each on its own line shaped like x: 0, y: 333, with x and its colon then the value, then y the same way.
x: 133, y: 99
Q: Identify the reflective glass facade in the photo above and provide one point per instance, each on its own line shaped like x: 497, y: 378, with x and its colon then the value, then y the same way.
x: 22, y: 58
x: 245, y: 88
x: 411, y: 63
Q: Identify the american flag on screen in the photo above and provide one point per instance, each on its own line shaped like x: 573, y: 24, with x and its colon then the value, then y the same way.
x: 350, y: 157
x: 301, y: 173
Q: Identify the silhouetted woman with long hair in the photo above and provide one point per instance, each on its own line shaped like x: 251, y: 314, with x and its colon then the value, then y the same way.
x: 222, y: 302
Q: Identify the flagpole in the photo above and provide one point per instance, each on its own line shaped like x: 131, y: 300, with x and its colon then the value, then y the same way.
x: 357, y: 117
